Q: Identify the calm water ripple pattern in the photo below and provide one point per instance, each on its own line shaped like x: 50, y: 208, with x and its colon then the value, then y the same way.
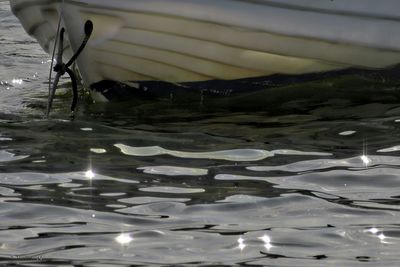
x: 301, y: 182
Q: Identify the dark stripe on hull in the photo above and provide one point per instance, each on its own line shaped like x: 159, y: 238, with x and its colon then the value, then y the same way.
x: 117, y: 91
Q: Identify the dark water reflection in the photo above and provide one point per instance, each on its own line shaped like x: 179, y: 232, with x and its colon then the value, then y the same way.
x: 286, y: 183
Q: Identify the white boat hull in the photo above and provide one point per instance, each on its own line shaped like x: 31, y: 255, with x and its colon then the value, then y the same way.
x: 180, y: 41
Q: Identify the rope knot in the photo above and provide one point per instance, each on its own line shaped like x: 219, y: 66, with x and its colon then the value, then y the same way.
x: 60, y: 68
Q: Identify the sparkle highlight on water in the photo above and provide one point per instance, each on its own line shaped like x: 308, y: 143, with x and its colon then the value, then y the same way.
x: 366, y: 160
x: 373, y: 230
x: 124, y: 239
x: 17, y: 81
x: 89, y: 174
x: 267, y: 242
x: 241, y: 244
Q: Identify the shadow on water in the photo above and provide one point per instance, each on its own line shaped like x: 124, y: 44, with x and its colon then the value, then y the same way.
x: 338, y: 93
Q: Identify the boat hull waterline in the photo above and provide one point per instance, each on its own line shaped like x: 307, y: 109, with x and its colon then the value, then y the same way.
x: 178, y: 44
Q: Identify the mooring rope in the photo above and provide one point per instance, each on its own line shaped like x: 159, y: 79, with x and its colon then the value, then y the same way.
x: 61, y: 68
x: 54, y: 53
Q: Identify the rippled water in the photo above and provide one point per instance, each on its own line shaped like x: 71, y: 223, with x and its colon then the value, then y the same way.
x: 300, y: 180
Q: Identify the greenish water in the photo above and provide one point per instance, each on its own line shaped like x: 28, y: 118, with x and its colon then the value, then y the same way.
x: 297, y: 178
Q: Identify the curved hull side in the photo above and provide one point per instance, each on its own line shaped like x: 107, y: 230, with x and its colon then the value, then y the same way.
x: 180, y: 41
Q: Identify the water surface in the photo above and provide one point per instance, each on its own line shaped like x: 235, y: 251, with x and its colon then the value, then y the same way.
x: 304, y: 180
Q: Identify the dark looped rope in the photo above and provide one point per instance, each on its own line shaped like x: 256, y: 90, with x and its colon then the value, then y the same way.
x: 61, y: 68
